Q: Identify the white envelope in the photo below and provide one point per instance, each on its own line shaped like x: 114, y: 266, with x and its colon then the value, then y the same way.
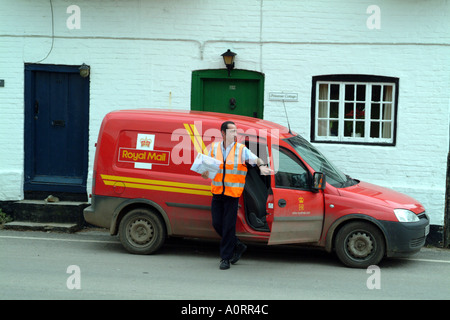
x: 204, y: 163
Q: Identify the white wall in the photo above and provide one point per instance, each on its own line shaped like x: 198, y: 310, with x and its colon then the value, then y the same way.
x: 142, y: 54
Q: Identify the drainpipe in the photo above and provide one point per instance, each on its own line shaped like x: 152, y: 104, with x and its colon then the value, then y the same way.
x: 447, y: 195
x: 447, y: 206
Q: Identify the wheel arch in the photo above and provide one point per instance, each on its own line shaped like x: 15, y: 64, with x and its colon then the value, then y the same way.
x: 131, y: 204
x: 339, y: 223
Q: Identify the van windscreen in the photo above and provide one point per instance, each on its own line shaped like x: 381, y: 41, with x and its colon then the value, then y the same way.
x: 319, y: 163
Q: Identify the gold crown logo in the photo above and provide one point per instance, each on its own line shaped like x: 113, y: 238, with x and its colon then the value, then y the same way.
x: 145, y: 142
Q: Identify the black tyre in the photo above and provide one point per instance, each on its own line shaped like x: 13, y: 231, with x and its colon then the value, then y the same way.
x: 360, y: 244
x: 142, y: 231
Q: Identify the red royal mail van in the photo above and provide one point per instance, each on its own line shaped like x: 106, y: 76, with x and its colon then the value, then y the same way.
x: 143, y: 190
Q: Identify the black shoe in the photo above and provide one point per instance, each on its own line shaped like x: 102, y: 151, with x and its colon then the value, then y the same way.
x: 224, y: 264
x: 238, y: 251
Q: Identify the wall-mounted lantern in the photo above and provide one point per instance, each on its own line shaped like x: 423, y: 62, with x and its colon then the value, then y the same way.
x: 84, y: 70
x: 228, y: 59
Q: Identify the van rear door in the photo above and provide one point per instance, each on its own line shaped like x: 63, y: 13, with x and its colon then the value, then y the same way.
x: 298, y: 212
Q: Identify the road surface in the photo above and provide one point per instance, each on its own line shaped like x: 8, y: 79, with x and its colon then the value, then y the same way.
x: 91, y: 264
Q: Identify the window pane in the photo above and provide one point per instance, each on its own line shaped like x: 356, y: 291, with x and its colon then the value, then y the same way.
x: 323, y: 109
x: 348, y: 128
x: 334, y: 109
x: 386, y: 132
x: 387, y: 93
x: 323, y: 91
x: 350, y: 92
x: 387, y: 111
x: 334, y: 92
x: 359, y: 129
x: 322, y: 130
x: 349, y: 110
x: 375, y: 112
x: 374, y: 129
x: 361, y: 92
x: 334, y: 128
x: 376, y: 93
x: 360, y: 111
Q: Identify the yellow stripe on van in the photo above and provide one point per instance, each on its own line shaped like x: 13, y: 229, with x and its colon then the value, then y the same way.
x: 194, y: 141
x: 159, y: 185
x: 199, y: 138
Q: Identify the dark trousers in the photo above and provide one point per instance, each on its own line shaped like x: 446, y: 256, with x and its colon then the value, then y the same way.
x: 224, y: 215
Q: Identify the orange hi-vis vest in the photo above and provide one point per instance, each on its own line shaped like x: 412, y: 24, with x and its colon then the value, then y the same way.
x: 230, y: 180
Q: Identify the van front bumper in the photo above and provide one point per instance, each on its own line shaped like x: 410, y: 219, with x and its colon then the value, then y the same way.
x: 404, y: 239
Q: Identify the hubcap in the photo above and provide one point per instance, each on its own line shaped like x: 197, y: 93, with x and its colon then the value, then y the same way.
x: 140, y: 232
x: 359, y: 245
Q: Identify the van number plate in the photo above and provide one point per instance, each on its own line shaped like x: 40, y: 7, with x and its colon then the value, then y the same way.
x: 427, y: 230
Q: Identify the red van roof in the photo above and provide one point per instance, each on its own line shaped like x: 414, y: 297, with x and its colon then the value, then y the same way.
x: 170, y: 119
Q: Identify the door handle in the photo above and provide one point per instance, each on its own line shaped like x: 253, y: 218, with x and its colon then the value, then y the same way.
x: 281, y: 203
x: 232, y: 103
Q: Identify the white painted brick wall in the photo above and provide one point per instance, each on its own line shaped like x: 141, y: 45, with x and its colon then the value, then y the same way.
x: 142, y: 54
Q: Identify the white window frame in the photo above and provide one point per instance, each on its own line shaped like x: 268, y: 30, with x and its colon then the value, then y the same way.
x: 343, y: 134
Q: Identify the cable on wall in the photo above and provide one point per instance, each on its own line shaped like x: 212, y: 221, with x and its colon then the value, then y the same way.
x: 53, y: 34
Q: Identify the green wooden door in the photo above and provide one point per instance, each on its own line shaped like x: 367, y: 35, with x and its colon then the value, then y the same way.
x: 241, y: 93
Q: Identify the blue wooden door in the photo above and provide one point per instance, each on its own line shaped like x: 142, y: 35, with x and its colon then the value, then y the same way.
x: 56, y: 129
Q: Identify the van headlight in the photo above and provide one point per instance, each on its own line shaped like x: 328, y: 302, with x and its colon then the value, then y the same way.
x: 404, y: 215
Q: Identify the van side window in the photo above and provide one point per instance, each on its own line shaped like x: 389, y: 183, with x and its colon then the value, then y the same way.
x: 291, y: 172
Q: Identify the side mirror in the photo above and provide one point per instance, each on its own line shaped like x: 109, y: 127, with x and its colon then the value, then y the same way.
x: 318, y: 181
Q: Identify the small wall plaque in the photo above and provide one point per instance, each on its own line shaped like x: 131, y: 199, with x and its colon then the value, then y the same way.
x: 283, y: 96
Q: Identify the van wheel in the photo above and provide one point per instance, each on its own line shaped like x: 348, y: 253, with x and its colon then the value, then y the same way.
x: 359, y: 245
x: 142, y: 231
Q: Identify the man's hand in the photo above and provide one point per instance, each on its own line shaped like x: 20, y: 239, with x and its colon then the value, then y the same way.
x: 263, y: 168
x: 265, y: 171
x: 205, y: 175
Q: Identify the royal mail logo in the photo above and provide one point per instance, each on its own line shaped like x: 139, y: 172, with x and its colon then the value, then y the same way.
x: 144, y: 156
